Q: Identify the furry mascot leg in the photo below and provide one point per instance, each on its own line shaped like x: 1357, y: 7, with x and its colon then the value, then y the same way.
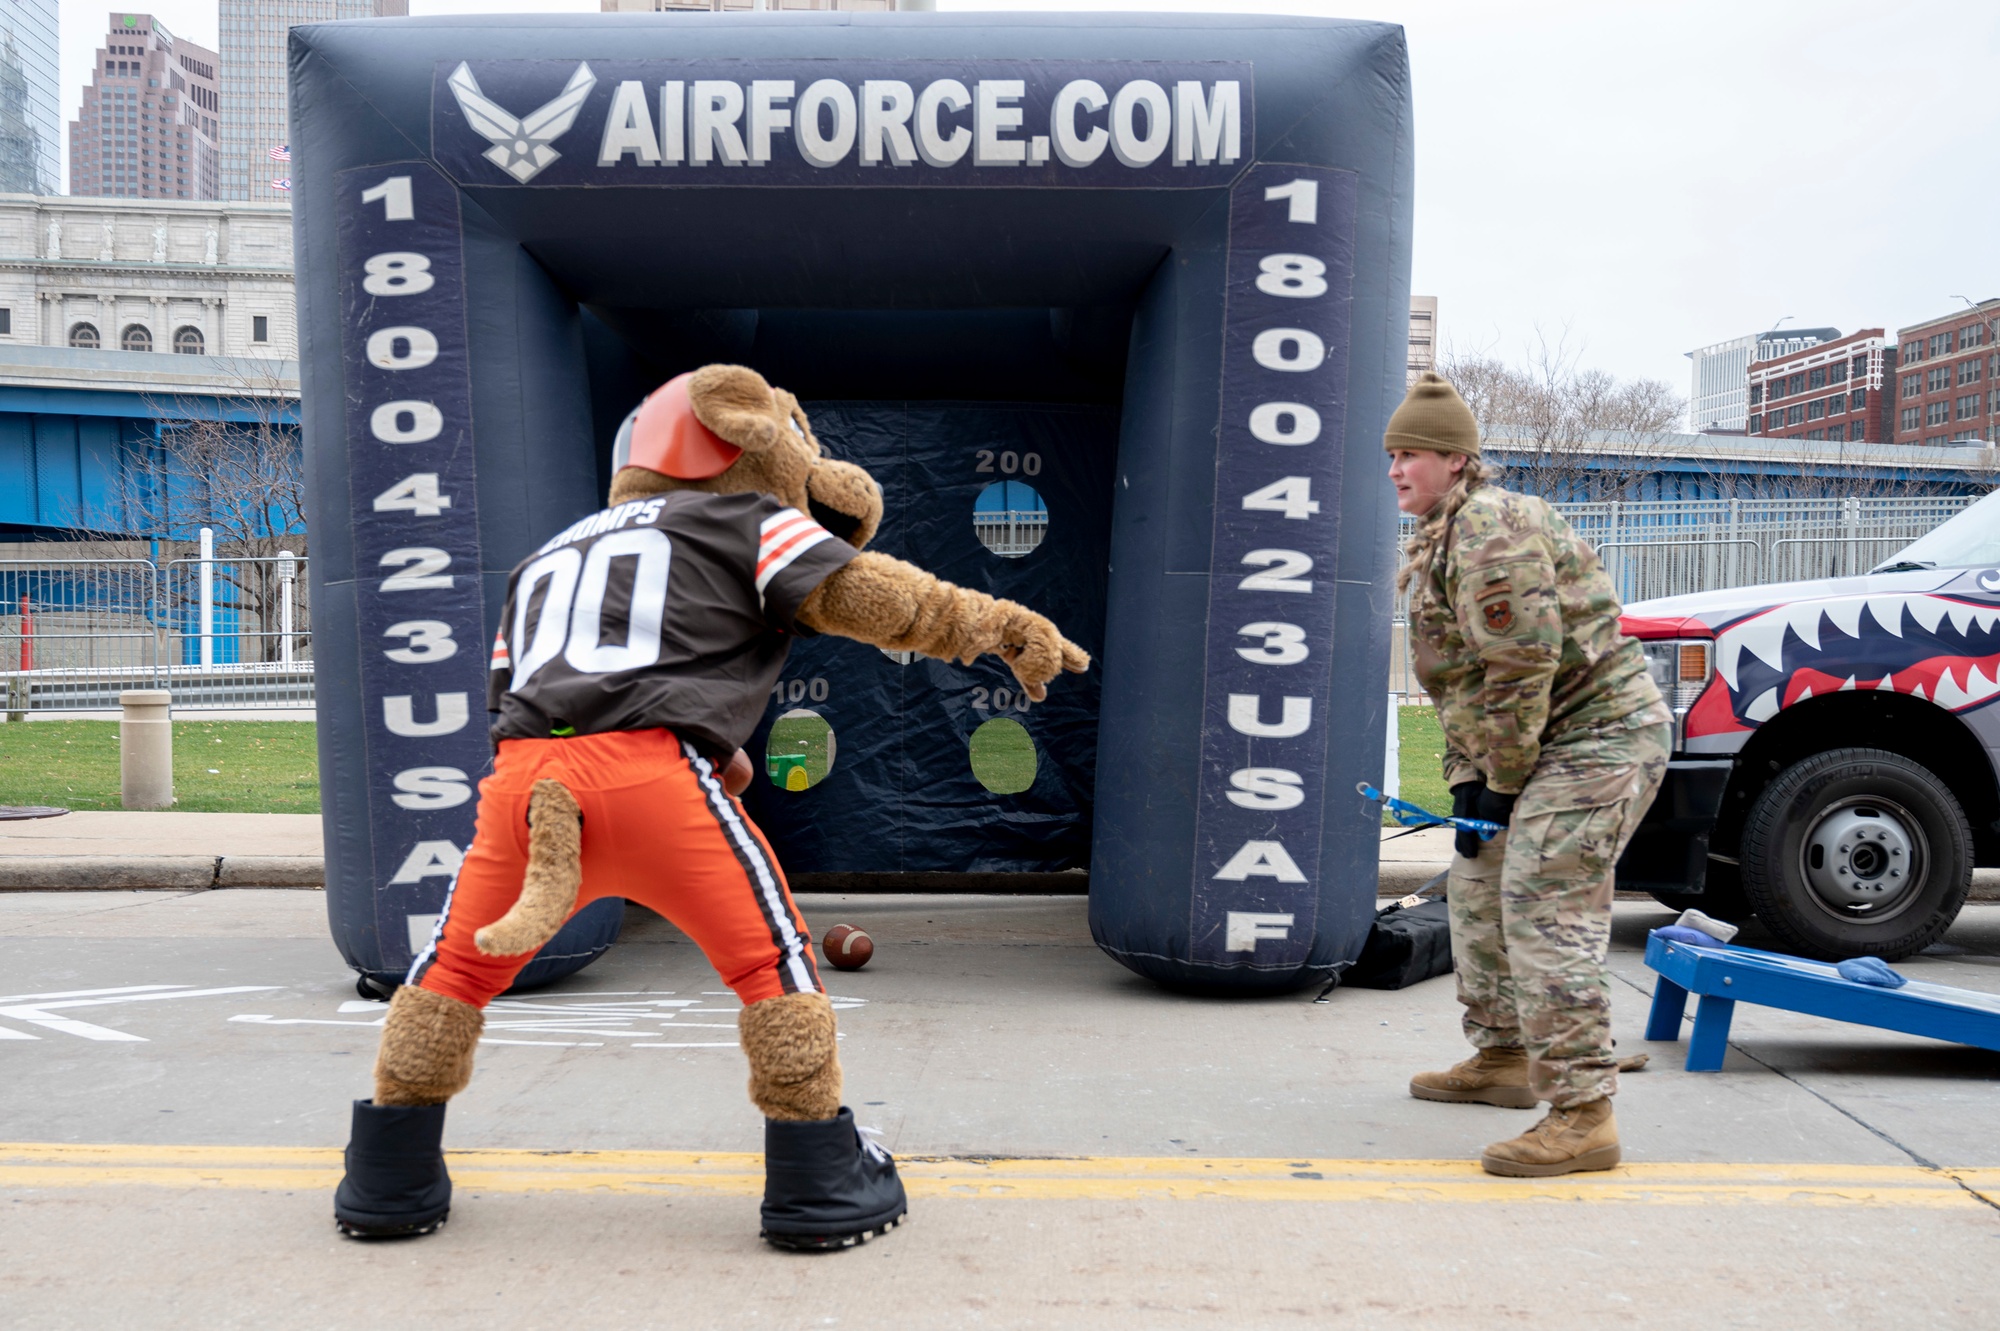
x: 794, y: 1064
x: 426, y: 1052
x: 825, y: 1186
x: 396, y: 1184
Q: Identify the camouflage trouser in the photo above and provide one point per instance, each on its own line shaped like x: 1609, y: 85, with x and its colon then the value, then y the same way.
x: 1531, y: 917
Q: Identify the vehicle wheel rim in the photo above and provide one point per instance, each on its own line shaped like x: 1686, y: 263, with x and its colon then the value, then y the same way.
x: 1864, y: 859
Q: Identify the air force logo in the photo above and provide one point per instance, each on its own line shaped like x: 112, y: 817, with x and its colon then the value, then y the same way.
x: 521, y: 146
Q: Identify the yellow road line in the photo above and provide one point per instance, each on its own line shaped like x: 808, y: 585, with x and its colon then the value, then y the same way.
x: 1088, y: 1178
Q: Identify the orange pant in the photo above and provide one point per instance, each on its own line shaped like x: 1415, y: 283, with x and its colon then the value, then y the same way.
x: 658, y: 829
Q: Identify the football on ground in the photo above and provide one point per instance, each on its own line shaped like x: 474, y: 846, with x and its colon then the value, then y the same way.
x: 736, y: 776
x: 847, y: 947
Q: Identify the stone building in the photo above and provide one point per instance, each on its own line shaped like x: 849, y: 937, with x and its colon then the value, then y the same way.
x: 197, y: 278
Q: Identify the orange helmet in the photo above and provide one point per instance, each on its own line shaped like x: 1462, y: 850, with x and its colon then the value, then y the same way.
x: 662, y: 434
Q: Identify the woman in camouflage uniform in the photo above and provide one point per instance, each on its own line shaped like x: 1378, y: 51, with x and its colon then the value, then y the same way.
x: 1552, y: 729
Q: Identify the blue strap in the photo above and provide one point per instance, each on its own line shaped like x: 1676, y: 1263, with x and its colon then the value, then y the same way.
x: 1411, y: 815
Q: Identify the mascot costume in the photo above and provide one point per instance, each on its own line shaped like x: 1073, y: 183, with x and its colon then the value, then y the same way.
x: 635, y: 655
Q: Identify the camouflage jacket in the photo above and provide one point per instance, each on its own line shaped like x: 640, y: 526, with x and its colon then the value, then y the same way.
x: 1514, y: 627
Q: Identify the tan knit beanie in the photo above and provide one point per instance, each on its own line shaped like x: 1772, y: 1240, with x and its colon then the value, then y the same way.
x: 1433, y: 416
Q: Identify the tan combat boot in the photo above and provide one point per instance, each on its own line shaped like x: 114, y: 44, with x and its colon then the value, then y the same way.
x: 1567, y: 1141
x: 1489, y: 1077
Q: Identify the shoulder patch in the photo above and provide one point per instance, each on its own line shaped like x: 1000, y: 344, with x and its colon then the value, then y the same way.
x: 1499, y: 614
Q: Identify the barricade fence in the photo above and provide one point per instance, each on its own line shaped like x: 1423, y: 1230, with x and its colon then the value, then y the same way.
x: 218, y: 633
x: 1673, y: 547
x: 234, y: 632
x: 1011, y: 532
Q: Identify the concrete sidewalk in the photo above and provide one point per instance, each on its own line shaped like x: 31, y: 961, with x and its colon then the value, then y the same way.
x: 118, y: 849
x: 1412, y: 859
x: 114, y: 849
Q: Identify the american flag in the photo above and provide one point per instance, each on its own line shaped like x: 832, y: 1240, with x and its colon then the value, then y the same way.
x: 282, y: 182
x: 281, y: 153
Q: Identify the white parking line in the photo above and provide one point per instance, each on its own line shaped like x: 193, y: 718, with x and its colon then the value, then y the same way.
x: 42, y: 1013
x: 88, y: 993
x: 624, y: 1020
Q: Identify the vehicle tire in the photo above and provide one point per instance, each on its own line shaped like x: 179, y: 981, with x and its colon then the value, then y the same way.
x: 1856, y: 852
x: 1721, y: 896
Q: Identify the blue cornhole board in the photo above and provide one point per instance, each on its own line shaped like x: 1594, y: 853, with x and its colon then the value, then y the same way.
x: 1725, y: 976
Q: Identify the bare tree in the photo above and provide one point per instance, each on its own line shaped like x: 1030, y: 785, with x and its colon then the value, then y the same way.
x: 1560, y: 419
x: 1572, y: 433
x: 243, y: 478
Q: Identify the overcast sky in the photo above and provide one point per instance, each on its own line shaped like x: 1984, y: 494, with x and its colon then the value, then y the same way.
x: 1652, y: 176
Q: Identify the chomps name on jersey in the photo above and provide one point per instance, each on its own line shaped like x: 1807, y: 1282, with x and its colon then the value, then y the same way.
x: 611, y: 519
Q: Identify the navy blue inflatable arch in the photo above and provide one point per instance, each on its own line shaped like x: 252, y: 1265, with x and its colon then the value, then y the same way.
x: 1114, y: 307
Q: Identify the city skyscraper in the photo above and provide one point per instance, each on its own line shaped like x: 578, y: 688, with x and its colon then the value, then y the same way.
x: 30, y: 112
x: 147, y: 128
x: 254, y: 126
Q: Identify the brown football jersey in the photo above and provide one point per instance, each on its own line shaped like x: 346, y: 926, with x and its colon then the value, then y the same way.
x: 675, y: 611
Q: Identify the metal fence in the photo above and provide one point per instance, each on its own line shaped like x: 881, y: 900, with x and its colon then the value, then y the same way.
x: 1010, y: 532
x: 1674, y: 547
x: 1739, y: 542
x: 216, y: 633
x: 234, y: 633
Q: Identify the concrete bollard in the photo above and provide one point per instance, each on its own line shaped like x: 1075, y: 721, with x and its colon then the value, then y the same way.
x: 146, y: 749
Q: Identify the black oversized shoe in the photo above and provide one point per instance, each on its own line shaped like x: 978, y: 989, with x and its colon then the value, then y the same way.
x: 826, y: 1187
x: 396, y: 1185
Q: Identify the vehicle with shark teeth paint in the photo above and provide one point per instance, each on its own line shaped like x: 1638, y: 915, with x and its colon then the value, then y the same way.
x: 1836, y: 763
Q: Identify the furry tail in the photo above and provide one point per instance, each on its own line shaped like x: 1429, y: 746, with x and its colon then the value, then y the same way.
x: 555, y: 873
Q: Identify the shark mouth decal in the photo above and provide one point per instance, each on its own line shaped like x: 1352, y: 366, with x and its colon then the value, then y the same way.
x: 1940, y: 648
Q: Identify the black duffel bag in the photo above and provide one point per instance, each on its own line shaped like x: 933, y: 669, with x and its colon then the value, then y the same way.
x: 1408, y: 943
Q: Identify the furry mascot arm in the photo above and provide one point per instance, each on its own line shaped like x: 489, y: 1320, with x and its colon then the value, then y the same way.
x: 887, y: 603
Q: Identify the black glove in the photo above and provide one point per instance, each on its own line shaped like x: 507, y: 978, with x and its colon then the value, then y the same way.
x: 1492, y: 806
x: 1464, y: 799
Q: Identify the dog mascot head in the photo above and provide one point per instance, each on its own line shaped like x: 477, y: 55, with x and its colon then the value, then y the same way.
x: 724, y: 430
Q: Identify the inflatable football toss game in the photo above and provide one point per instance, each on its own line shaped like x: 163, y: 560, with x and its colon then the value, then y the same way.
x: 1113, y: 306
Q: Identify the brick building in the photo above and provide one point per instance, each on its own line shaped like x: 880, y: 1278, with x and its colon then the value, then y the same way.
x: 1945, y: 389
x: 147, y: 128
x: 1837, y: 391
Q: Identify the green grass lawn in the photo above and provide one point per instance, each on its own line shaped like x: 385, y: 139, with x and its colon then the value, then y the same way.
x: 1420, y: 751
x: 807, y: 736
x: 219, y: 766
x: 1003, y: 756
x: 271, y: 767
